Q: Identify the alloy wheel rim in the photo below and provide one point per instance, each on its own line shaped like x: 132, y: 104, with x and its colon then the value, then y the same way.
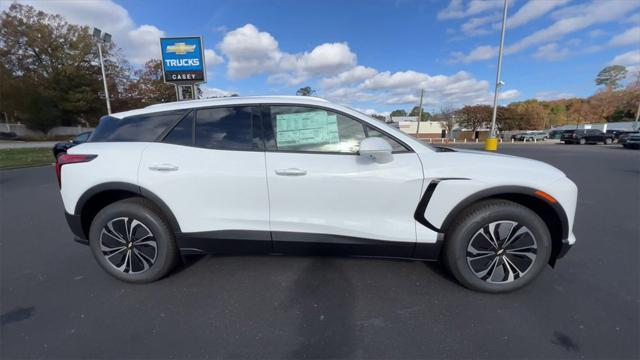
x: 502, y: 252
x: 128, y: 245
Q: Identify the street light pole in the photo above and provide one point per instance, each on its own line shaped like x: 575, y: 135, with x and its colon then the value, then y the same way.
x: 106, y: 38
x: 419, y: 115
x: 104, y: 79
x: 492, y: 142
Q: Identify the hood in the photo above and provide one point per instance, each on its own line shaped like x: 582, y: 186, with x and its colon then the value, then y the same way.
x: 486, y: 166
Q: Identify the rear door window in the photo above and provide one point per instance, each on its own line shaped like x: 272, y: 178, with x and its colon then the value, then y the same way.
x: 146, y: 127
x: 182, y: 133
x: 229, y: 128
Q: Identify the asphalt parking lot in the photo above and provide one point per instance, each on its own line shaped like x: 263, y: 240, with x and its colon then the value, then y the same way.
x: 57, y: 303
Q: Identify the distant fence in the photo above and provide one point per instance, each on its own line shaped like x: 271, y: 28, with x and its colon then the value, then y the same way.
x: 22, y: 131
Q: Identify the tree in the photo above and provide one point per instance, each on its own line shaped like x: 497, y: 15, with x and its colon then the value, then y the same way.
x: 149, y: 87
x: 416, y: 112
x: 50, y: 71
x: 474, y: 117
x: 399, y: 112
x: 611, y: 76
x: 447, y: 117
x: 305, y: 91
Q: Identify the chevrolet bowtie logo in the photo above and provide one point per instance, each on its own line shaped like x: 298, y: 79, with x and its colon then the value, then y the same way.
x: 180, y: 48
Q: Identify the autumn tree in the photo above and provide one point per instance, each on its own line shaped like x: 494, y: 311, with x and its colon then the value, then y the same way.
x: 149, y: 86
x: 50, y: 71
x: 474, y: 117
x: 611, y: 76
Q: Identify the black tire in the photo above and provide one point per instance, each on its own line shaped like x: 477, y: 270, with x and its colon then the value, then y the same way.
x: 582, y: 141
x: 458, y: 259
x: 151, y: 259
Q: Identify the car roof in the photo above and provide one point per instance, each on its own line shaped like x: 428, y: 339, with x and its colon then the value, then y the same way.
x: 233, y: 100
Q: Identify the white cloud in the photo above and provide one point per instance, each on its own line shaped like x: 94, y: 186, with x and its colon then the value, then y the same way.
x: 595, y: 33
x: 251, y: 52
x: 533, y: 9
x: 595, y: 13
x: 473, y: 27
x: 355, y: 74
x: 509, y: 95
x: 211, y: 92
x: 571, y: 19
x: 370, y: 111
x: 552, y: 95
x: 629, y: 37
x: 457, y: 9
x: 138, y: 42
x: 551, y: 52
x: 212, y: 58
x: 483, y: 52
x: 631, y: 60
x: 403, y: 88
x: 633, y: 19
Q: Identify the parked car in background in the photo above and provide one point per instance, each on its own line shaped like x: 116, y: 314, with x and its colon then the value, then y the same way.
x: 632, y: 142
x: 555, y: 134
x: 616, y: 133
x: 622, y: 138
x: 531, y: 136
x: 62, y: 147
x: 586, y: 136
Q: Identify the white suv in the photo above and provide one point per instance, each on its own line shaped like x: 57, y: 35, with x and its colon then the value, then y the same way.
x: 300, y: 175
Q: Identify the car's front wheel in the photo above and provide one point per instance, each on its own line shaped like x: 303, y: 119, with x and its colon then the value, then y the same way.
x: 497, y: 246
x: 131, y: 240
x: 608, y: 141
x: 583, y: 141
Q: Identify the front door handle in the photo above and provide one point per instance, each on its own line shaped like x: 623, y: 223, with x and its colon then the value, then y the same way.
x: 291, y: 172
x: 163, y: 167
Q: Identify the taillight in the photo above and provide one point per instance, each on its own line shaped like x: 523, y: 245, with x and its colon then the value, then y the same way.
x: 65, y: 159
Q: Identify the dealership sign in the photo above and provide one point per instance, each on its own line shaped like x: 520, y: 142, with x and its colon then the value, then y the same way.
x: 182, y: 60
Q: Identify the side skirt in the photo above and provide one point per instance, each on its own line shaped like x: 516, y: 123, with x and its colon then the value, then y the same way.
x: 243, y: 242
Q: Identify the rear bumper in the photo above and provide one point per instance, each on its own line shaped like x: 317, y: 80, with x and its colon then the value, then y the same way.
x: 75, y: 224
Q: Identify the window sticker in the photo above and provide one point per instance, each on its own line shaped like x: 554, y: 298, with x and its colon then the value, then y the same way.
x: 307, y: 128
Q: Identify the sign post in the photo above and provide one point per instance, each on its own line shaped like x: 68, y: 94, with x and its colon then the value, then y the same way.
x: 183, y: 63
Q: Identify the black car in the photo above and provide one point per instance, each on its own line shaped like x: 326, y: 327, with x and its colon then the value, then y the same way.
x: 586, y: 136
x: 622, y: 138
x: 62, y: 147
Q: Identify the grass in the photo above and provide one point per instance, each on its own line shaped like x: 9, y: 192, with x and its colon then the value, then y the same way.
x: 13, y: 158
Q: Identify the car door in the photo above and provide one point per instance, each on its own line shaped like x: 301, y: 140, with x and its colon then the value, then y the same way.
x: 324, y: 197
x: 210, y: 171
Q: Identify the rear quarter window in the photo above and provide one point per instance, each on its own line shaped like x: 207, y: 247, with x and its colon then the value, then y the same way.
x: 146, y: 127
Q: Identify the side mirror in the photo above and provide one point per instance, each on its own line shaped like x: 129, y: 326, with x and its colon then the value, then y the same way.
x: 377, y: 149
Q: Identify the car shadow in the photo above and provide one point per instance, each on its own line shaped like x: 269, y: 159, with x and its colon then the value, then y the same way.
x: 324, y: 296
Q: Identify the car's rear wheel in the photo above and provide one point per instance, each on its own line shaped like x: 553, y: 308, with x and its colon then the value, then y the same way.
x: 132, y: 242
x: 583, y: 141
x: 497, y: 246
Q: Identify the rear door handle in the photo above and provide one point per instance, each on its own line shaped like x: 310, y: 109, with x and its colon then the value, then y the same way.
x: 163, y: 167
x: 291, y: 172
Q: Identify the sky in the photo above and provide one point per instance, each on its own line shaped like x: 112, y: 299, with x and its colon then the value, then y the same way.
x: 377, y: 55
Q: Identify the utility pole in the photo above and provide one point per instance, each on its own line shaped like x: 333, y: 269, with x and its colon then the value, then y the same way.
x: 492, y: 142
x: 106, y: 38
x: 635, y: 123
x: 419, y: 114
